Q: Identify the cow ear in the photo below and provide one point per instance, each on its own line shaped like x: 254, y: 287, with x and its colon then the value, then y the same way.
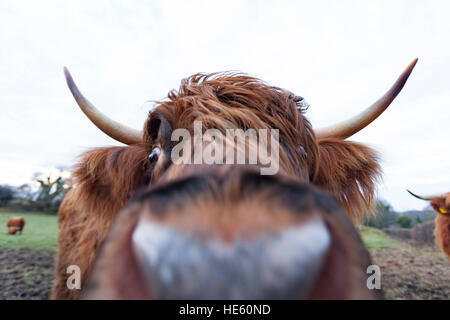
x: 350, y: 172
x: 159, y: 130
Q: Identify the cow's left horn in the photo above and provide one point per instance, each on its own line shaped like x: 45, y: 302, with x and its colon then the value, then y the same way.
x: 112, y: 128
x: 427, y: 198
x: 351, y: 126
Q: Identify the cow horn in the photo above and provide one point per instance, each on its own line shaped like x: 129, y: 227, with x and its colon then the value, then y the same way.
x: 427, y: 198
x: 351, y: 126
x: 112, y: 128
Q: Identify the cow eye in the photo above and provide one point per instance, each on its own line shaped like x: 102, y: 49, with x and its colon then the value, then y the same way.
x: 154, y: 155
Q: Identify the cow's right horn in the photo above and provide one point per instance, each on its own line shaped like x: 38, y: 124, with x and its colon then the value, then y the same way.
x: 112, y: 128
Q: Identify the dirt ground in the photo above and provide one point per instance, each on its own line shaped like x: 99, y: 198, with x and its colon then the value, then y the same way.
x: 25, y: 274
x: 409, y: 272
x: 413, y: 271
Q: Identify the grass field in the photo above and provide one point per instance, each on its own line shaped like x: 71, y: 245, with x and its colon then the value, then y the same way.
x: 40, y: 232
x: 376, y: 239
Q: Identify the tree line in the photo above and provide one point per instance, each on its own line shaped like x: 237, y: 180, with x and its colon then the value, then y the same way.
x: 45, y: 198
x: 383, y: 216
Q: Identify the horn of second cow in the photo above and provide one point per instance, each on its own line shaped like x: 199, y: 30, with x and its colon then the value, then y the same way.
x: 426, y: 198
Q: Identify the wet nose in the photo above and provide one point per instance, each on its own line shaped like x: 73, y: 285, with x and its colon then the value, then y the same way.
x: 277, y: 265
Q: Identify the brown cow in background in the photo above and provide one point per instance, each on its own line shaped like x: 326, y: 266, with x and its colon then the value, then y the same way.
x: 221, y: 231
x: 441, y: 204
x: 15, y: 224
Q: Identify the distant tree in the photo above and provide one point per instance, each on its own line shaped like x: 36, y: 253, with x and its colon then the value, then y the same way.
x: 382, y: 216
x: 418, y: 220
x: 383, y: 205
x: 50, y: 192
x: 404, y: 222
x: 6, y: 194
x: 24, y: 192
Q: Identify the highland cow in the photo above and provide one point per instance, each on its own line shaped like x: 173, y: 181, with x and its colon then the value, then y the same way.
x: 15, y: 224
x: 140, y: 225
x: 441, y: 204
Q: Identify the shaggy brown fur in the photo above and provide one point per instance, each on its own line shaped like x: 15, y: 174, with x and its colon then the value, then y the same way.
x: 346, y: 169
x: 349, y: 170
x: 105, y: 178
x: 442, y: 231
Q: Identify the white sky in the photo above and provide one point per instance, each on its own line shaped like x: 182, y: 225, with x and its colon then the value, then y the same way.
x: 340, y: 55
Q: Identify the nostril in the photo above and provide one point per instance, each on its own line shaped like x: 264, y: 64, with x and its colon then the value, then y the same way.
x: 280, y: 265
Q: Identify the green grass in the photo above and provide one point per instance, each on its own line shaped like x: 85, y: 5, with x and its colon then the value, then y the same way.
x: 375, y: 239
x: 40, y: 232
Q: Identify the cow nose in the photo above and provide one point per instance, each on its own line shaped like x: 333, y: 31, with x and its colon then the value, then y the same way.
x: 277, y: 265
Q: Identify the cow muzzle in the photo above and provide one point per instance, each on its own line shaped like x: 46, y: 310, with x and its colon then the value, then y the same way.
x: 279, y: 265
x: 233, y: 235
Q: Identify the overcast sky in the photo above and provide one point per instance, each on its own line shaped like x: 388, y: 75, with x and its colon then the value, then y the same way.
x: 339, y: 55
